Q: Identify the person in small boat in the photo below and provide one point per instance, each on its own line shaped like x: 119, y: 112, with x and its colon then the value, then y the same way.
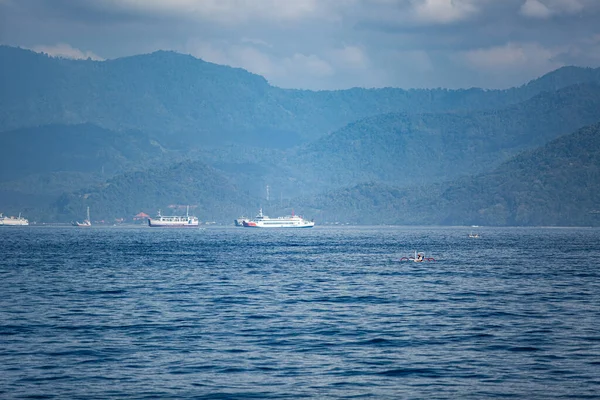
x: 419, y: 257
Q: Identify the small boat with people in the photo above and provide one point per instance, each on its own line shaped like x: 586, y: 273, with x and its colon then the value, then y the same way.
x: 13, y: 221
x: 290, y: 221
x: 418, y: 257
x: 176, y: 221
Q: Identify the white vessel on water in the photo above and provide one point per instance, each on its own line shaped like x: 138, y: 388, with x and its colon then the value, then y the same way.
x: 290, y: 221
x: 163, y: 221
x: 86, y: 222
x: 12, y: 221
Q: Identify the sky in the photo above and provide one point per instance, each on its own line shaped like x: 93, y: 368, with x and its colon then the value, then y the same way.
x: 325, y: 44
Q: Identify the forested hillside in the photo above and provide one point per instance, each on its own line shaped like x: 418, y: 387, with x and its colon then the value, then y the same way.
x: 406, y: 149
x: 210, y: 195
x: 555, y: 185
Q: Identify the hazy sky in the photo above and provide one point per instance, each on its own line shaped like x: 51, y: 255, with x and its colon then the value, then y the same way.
x: 326, y: 44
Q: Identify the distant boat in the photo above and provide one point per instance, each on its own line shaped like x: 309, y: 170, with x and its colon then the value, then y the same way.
x: 290, y: 221
x: 240, y: 221
x: 163, y: 221
x: 86, y: 222
x: 12, y: 221
x: 419, y: 257
x: 473, y: 235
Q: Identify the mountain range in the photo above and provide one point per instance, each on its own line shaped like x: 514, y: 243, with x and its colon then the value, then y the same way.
x: 165, y: 129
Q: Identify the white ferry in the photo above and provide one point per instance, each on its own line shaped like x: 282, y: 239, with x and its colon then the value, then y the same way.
x: 12, y: 221
x: 163, y: 221
x: 290, y: 221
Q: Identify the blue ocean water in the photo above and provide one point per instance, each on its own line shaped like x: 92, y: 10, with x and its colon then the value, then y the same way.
x: 324, y: 313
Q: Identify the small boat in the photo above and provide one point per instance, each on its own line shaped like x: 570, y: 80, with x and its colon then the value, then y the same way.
x: 419, y: 257
x: 86, y: 222
x: 163, y: 221
x: 240, y: 221
x: 12, y: 221
x: 474, y: 235
x: 290, y: 221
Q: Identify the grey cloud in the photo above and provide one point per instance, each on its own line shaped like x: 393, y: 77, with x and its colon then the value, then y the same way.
x: 328, y: 44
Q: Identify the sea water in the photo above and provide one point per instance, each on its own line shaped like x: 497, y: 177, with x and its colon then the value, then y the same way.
x: 324, y: 313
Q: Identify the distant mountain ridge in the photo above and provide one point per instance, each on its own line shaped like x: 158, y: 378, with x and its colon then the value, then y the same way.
x: 186, y: 100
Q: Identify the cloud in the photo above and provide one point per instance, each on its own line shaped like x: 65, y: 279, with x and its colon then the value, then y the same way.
x: 529, y: 60
x: 544, y: 9
x: 66, y: 51
x: 535, y: 9
x: 223, y: 11
x: 258, y: 42
x: 280, y: 71
x: 352, y: 57
x: 308, y: 64
x: 444, y: 11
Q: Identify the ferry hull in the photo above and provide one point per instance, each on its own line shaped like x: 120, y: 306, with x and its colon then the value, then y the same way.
x: 14, y: 222
x: 160, y: 224
x: 255, y: 225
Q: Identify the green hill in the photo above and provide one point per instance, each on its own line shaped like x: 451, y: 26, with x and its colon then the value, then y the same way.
x: 406, y: 149
x: 210, y: 195
x: 555, y: 185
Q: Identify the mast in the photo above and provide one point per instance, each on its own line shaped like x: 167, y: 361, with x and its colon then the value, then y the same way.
x: 88, y: 213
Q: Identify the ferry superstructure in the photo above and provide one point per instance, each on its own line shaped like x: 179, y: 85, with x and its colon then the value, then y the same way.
x: 163, y: 221
x: 290, y: 221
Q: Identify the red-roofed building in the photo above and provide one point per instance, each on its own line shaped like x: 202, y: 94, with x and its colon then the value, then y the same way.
x: 141, y: 216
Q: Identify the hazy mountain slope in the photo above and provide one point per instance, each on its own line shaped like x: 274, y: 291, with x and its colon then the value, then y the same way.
x: 73, y: 148
x: 402, y: 149
x: 557, y: 184
x: 40, y: 163
x: 556, y: 80
x: 210, y: 195
x: 190, y: 101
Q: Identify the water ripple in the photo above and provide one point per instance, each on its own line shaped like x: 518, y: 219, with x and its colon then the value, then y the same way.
x: 328, y: 313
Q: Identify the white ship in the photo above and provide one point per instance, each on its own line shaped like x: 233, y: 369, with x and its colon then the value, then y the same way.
x: 86, y: 222
x: 12, y: 221
x: 163, y: 221
x: 290, y: 221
